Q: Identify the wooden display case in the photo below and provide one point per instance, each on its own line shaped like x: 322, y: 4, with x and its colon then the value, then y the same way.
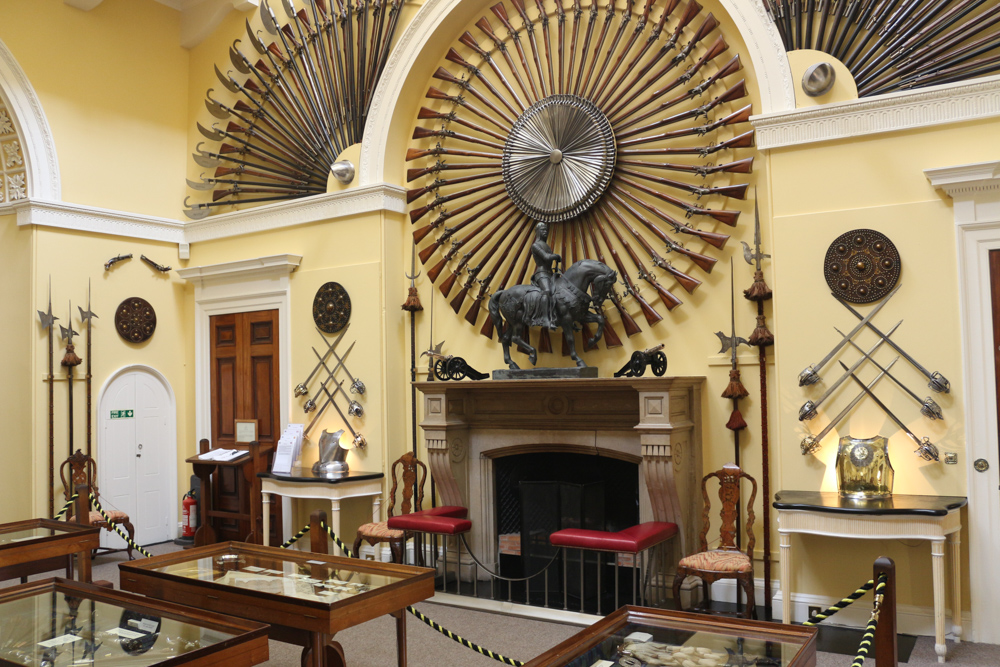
x: 60, y: 622
x: 677, y: 639
x: 305, y: 597
x: 42, y: 545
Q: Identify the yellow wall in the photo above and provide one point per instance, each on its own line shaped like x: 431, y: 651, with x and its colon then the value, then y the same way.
x: 112, y: 83
x: 18, y: 337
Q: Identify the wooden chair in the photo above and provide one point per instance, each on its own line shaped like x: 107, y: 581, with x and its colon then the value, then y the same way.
x: 82, y: 469
x: 727, y: 561
x: 375, y: 533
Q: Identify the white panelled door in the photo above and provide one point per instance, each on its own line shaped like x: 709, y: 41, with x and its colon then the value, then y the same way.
x: 135, y: 451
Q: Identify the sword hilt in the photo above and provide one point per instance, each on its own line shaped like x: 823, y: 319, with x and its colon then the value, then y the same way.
x: 927, y: 450
x: 358, y: 387
x: 355, y: 410
x: 807, y: 411
x: 309, y: 406
x: 930, y: 409
x: 359, y: 441
x: 809, y: 445
x: 939, y: 383
x: 300, y: 389
x: 808, y: 376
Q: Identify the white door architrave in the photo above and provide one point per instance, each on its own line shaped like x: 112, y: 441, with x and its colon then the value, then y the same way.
x: 160, y: 522
x: 975, y: 189
x: 244, y: 286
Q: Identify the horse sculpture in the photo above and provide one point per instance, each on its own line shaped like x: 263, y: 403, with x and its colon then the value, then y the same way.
x: 509, y: 307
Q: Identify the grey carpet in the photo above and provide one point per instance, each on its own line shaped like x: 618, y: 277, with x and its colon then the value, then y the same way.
x: 373, y: 644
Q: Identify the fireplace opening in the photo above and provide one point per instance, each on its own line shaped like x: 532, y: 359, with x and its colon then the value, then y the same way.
x: 540, y: 493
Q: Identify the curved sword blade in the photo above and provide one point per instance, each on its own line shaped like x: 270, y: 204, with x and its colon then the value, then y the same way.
x: 928, y: 406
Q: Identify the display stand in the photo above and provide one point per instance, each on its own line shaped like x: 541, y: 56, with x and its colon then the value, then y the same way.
x: 239, y: 505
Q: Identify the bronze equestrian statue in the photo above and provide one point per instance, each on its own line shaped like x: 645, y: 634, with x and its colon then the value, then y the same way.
x: 516, y: 309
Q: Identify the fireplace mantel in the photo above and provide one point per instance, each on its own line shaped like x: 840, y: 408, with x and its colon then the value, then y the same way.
x: 654, y: 420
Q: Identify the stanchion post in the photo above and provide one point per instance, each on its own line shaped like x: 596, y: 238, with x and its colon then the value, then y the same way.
x: 318, y: 539
x: 886, y: 648
x: 82, y: 510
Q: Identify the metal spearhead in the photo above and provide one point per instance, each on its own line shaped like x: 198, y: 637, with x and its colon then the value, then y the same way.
x: 85, y: 315
x: 810, y: 375
x: 925, y: 448
x: 808, y: 409
x: 811, y: 443
x: 67, y: 333
x: 756, y: 256
x: 47, y: 318
x: 732, y: 341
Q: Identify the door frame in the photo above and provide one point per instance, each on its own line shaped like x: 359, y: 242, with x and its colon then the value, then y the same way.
x: 975, y: 189
x: 170, y: 461
x: 243, y: 286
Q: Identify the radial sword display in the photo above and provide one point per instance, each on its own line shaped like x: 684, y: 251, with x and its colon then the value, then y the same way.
x: 928, y: 406
x: 925, y: 448
x: 937, y: 382
x: 811, y: 373
x: 808, y: 409
x: 811, y: 443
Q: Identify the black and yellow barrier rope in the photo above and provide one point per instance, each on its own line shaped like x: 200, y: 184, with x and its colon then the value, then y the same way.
x: 65, y: 508
x: 430, y: 622
x: 869, y: 637
x: 464, y: 642
x: 114, y: 527
x: 846, y: 602
x: 296, y: 537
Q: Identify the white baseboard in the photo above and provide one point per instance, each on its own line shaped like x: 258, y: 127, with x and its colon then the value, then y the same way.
x: 910, y: 619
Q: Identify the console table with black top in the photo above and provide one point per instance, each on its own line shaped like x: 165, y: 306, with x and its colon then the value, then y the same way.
x: 303, y: 483
x: 899, y: 517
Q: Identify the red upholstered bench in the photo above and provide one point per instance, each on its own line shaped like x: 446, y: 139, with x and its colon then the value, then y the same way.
x: 635, y: 540
x: 446, y: 521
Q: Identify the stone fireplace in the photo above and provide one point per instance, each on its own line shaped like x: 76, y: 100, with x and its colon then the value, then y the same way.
x: 654, y: 422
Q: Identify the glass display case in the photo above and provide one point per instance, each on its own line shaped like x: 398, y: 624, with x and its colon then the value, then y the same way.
x: 639, y: 636
x: 42, y: 545
x: 59, y: 622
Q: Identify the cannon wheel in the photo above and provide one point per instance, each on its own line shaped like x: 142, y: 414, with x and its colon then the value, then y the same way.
x: 658, y: 364
x: 457, y: 368
x: 637, y: 364
x: 440, y: 369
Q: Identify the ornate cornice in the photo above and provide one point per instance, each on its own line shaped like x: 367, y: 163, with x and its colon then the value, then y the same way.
x: 258, y: 267
x: 92, y: 219
x: 948, y: 103
x: 380, y: 197
x: 966, y: 179
x: 280, y: 215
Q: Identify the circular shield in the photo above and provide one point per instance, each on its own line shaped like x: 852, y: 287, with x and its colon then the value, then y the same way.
x: 135, y: 319
x: 331, y: 308
x: 861, y: 266
x: 558, y: 158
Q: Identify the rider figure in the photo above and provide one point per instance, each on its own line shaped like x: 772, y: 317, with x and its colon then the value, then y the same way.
x: 542, y: 278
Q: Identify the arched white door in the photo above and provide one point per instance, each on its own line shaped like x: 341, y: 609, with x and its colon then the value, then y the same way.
x: 136, y: 453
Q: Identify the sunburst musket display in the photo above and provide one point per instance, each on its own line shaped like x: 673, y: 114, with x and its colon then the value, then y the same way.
x: 893, y: 46
x: 564, y: 113
x: 812, y: 443
x: 297, y: 103
x: 926, y: 450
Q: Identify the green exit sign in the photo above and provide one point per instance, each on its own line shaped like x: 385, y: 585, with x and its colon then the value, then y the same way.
x: 122, y: 414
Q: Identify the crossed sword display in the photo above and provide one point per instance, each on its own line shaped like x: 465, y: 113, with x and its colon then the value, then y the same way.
x: 357, y: 386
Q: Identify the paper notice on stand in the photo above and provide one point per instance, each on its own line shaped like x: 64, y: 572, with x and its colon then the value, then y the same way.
x: 222, y: 454
x: 288, y: 449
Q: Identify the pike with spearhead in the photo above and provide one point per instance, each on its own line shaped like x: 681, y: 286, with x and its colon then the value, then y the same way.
x: 48, y: 319
x: 69, y: 361
x: 927, y: 450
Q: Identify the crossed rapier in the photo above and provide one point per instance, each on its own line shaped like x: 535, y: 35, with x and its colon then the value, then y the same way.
x: 810, y: 375
x: 310, y: 405
x: 302, y: 388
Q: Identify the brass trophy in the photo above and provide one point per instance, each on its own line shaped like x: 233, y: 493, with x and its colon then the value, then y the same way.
x: 863, y: 468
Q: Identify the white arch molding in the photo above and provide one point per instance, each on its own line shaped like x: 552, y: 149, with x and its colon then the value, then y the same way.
x: 41, y: 162
x: 434, y: 28
x: 103, y: 447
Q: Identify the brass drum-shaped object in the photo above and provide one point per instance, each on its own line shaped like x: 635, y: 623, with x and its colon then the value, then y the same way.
x: 863, y: 468
x: 559, y: 158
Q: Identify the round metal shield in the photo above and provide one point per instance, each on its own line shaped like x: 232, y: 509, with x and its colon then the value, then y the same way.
x: 331, y: 308
x: 861, y: 266
x: 135, y: 319
x: 558, y: 158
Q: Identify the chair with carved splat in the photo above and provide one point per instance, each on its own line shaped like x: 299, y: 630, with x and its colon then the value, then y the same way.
x: 412, y: 498
x: 726, y: 561
x: 78, y: 469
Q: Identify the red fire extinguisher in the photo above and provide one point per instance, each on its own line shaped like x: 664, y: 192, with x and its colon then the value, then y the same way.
x: 189, y: 515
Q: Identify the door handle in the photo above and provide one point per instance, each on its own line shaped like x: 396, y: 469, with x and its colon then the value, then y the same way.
x: 139, y: 453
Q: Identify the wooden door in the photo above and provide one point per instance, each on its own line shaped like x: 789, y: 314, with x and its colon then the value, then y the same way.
x: 244, y: 359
